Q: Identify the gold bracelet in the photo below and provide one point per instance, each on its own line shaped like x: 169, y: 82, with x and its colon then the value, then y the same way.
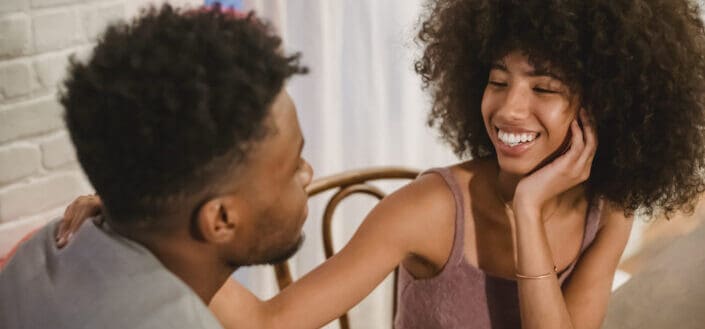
x: 542, y: 276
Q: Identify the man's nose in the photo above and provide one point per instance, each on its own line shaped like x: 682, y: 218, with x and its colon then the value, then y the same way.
x: 308, y: 173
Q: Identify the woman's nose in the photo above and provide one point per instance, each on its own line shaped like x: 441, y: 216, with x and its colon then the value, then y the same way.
x: 516, y: 104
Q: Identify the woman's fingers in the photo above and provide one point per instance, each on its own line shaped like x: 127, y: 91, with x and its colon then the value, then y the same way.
x: 588, y: 153
x: 62, y: 232
x: 575, y: 148
x: 76, y: 213
x: 565, y: 171
x: 576, y: 162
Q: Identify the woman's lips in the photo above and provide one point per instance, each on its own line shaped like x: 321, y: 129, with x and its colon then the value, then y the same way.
x: 514, y: 142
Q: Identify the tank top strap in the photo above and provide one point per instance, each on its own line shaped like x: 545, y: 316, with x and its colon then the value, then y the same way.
x: 592, y: 224
x: 456, y: 253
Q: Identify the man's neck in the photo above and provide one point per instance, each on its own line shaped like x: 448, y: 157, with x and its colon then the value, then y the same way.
x: 205, y: 275
x: 200, y: 270
x: 194, y: 262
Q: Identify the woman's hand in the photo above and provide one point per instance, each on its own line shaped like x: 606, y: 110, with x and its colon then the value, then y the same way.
x: 76, y: 213
x: 561, y: 174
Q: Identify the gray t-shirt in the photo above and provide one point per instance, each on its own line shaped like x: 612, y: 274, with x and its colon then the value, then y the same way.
x: 100, y: 280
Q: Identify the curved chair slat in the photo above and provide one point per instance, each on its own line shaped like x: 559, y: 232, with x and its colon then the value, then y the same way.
x: 335, y: 200
x: 348, y: 183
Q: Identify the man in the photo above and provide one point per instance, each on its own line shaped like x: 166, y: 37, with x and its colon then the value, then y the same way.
x: 182, y: 126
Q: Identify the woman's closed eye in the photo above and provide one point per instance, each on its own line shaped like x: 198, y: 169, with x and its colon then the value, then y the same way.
x: 497, y: 83
x: 544, y: 90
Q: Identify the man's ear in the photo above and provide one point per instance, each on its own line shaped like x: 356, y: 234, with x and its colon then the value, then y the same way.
x: 218, y: 219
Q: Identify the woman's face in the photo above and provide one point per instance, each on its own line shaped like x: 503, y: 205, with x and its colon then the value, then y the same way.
x: 527, y: 113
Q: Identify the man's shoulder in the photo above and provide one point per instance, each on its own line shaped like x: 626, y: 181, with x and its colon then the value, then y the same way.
x: 100, y: 279
x: 29, y: 252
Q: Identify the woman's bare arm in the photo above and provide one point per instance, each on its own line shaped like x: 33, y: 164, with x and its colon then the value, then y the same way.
x: 409, y: 221
x: 417, y: 218
x: 583, y: 302
x: 541, y: 300
x: 588, y: 292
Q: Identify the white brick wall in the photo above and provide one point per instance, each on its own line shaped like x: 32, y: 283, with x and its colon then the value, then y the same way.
x: 58, y: 151
x: 29, y: 118
x: 15, y: 79
x: 15, y: 34
x: 13, y: 5
x: 39, y: 174
x: 25, y: 153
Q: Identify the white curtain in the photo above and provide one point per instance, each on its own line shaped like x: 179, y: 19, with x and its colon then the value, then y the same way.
x: 361, y: 105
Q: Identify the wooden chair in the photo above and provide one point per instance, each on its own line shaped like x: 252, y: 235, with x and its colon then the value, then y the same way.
x: 346, y: 184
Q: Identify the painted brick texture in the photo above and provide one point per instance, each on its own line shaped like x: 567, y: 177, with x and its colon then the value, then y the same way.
x: 39, y: 174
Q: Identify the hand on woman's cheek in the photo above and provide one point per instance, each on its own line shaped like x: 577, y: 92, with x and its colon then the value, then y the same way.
x: 564, y: 172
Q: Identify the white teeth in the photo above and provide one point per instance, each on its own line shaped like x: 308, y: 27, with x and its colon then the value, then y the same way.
x: 512, y: 139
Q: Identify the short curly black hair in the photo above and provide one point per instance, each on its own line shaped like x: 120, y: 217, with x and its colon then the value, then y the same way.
x: 171, y: 101
x: 638, y: 66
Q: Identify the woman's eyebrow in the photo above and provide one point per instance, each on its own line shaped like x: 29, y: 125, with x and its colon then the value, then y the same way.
x: 543, y: 72
x: 536, y: 72
x: 498, y: 66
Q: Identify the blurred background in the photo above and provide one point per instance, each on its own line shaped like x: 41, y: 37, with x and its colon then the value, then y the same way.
x: 361, y: 105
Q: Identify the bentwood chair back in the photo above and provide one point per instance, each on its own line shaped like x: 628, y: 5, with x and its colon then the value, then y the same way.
x: 346, y: 184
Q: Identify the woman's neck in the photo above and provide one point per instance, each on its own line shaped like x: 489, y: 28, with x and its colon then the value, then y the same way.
x: 506, y: 184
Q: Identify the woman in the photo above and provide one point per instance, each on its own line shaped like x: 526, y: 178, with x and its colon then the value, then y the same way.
x: 577, y: 114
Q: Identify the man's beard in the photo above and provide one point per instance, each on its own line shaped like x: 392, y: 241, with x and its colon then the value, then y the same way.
x: 285, y: 254
x: 272, y: 255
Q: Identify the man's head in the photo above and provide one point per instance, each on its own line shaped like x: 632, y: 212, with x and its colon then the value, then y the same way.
x: 181, y: 124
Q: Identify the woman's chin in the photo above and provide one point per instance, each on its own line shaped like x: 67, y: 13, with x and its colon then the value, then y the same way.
x: 515, y: 167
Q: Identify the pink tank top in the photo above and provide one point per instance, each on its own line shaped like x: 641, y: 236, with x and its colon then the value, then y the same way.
x: 462, y: 295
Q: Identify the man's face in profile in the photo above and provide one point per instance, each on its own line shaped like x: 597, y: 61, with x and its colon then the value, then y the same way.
x: 273, y: 186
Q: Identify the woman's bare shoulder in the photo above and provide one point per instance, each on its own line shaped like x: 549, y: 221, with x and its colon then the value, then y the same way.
x: 428, y: 194
x: 612, y: 215
x: 431, y: 193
